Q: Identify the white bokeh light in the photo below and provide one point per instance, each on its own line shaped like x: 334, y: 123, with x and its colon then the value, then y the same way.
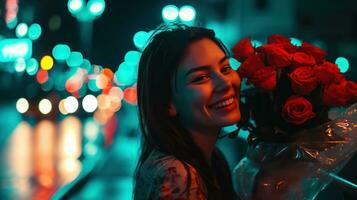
x: 22, y: 105
x: 187, y: 13
x: 71, y: 104
x: 170, y: 13
x: 89, y: 103
x: 45, y: 106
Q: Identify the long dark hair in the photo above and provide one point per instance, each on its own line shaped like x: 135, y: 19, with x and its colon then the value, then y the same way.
x: 157, y: 68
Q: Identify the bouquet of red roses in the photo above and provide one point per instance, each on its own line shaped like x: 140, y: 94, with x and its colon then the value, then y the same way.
x: 287, y: 113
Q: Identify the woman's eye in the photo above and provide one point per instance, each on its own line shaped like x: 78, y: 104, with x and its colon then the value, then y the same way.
x: 199, y: 79
x: 226, y: 69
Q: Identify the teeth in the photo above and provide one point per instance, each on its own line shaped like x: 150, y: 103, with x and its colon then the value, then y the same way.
x: 224, y: 103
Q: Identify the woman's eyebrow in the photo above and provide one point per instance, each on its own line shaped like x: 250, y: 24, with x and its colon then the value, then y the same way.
x: 204, y: 67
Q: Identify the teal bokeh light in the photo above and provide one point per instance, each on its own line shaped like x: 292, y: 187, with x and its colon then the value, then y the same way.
x: 295, y: 42
x: 132, y: 57
x: 61, y: 52
x: 21, y: 30
x: 126, y: 74
x: 170, y: 13
x: 96, y: 7
x: 34, y: 31
x: 256, y: 43
x: 187, y: 13
x: 343, y: 64
x: 92, y: 85
x: 20, y: 65
x: 12, y: 49
x: 75, y: 6
x: 140, y: 39
x: 87, y: 66
x: 75, y: 59
x: 234, y: 63
x: 32, y: 66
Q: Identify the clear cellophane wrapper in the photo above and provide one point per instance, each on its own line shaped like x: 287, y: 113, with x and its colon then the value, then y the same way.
x: 298, y: 169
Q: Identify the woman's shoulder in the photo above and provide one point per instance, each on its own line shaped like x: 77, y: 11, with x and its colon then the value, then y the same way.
x: 165, y: 177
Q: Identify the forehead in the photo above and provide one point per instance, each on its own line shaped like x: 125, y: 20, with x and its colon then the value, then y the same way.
x: 201, y: 52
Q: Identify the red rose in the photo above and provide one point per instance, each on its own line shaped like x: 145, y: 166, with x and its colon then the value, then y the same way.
x: 275, y: 55
x: 297, y: 110
x: 328, y: 73
x: 274, y: 39
x: 352, y: 90
x: 336, y: 94
x: 316, y: 52
x: 264, y: 78
x: 243, y: 50
x: 250, y: 66
x: 302, y: 59
x: 303, y: 80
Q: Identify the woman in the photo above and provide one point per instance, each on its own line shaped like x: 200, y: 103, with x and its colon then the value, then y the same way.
x: 187, y: 92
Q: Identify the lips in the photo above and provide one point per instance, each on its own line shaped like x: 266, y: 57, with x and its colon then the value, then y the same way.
x: 223, y: 103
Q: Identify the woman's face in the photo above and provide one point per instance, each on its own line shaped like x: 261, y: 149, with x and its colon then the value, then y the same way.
x: 206, y: 89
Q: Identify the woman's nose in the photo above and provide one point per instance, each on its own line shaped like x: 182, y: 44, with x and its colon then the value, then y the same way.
x: 222, y: 82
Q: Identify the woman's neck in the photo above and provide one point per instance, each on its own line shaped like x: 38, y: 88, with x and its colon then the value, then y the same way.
x: 205, y: 141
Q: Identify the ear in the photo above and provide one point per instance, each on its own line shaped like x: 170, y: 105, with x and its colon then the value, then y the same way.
x: 172, y: 110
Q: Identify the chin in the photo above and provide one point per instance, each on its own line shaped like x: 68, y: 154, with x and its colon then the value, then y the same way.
x: 230, y: 120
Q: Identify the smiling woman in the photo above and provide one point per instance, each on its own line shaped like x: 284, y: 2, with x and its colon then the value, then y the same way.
x: 187, y: 92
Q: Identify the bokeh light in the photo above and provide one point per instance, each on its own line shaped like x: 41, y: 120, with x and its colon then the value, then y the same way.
x: 130, y: 95
x: 92, y: 85
x: 103, y: 101
x: 132, y: 57
x: 54, y: 23
x: 234, y: 63
x: 46, y: 62
x: 126, y: 74
x: 71, y: 104
x: 170, y: 13
x: 75, y: 59
x: 343, y: 64
x: 22, y: 105
x: 42, y: 76
x: 45, y: 106
x: 87, y: 66
x: 75, y: 6
x: 61, y: 52
x: 96, y: 7
x: 187, y: 13
x: 108, y: 73
x: 116, y: 93
x: 34, y: 31
x: 256, y: 43
x: 89, y: 103
x: 90, y: 149
x: 20, y: 65
x: 102, y: 81
x: 12, y: 49
x: 91, y: 130
x: 140, y: 39
x: 31, y: 66
x: 61, y: 107
x: 21, y: 30
x: 73, y: 84
x: 295, y: 41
